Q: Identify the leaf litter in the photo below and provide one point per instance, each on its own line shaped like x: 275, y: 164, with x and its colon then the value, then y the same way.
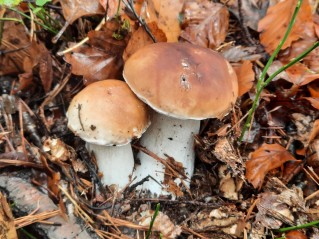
x: 237, y: 191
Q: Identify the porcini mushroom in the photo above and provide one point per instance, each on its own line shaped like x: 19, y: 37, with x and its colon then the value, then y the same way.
x: 184, y: 84
x: 108, y: 115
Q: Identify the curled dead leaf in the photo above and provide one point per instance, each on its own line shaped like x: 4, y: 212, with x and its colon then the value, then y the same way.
x: 140, y: 39
x: 314, y: 101
x: 205, y: 23
x: 74, y: 9
x: 264, y: 159
x: 162, y: 223
x: 274, y: 25
x: 245, y: 76
x: 299, y: 74
x: 226, y: 219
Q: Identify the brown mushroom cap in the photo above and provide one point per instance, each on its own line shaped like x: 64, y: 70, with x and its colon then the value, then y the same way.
x: 107, y: 113
x: 182, y: 80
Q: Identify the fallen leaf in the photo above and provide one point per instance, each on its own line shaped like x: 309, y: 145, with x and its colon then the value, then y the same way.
x: 74, y: 9
x: 111, y: 6
x: 296, y: 235
x: 240, y: 53
x: 23, y: 56
x: 94, y: 64
x: 274, y: 25
x: 245, y: 76
x: 140, y: 39
x: 225, y: 218
x: 100, y: 60
x: 25, y: 82
x: 225, y: 152
x: 168, y: 18
x: 162, y: 223
x: 313, y: 89
x: 205, y: 23
x: 272, y: 211
x: 313, y: 101
x: 314, y: 132
x: 252, y: 11
x: 298, y: 47
x: 8, y: 229
x: 300, y: 75
x: 264, y: 159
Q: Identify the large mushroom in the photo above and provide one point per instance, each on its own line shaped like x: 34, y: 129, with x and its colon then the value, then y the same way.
x: 108, y: 115
x: 184, y: 84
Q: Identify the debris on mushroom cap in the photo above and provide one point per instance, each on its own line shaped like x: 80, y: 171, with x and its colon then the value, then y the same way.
x: 107, y: 113
x: 182, y: 80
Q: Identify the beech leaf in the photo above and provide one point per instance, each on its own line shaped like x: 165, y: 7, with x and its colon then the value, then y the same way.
x: 274, y: 25
x: 264, y: 159
x: 205, y: 23
x: 245, y: 76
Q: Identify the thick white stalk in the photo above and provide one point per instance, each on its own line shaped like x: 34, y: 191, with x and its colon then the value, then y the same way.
x: 170, y: 136
x: 115, y: 162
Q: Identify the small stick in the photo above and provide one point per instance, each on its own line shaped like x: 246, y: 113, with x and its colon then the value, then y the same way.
x: 60, y: 53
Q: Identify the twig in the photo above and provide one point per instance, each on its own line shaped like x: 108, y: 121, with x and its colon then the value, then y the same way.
x: 162, y: 161
x: 52, y: 94
x: 129, y: 4
x: 82, y: 212
x: 60, y: 53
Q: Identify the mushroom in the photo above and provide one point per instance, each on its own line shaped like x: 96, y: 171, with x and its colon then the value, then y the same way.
x: 108, y: 115
x: 184, y: 84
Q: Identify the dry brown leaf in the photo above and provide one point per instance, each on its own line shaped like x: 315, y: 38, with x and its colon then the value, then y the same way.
x: 100, y: 60
x: 300, y: 75
x: 205, y: 23
x: 245, y: 76
x: 111, y: 6
x: 272, y: 211
x: 252, y: 10
x: 314, y: 132
x: 264, y: 159
x: 25, y: 82
x: 313, y: 88
x: 94, y: 64
x: 313, y: 101
x: 8, y: 230
x: 274, y: 25
x: 225, y: 218
x: 74, y: 9
x: 298, y: 47
x: 140, y: 39
x: 316, y: 23
x: 162, y: 224
x: 168, y: 18
x: 295, y: 235
x: 240, y: 53
x: 24, y: 56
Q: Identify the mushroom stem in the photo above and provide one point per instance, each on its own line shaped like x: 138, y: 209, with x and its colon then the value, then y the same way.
x: 166, y: 136
x: 115, y: 162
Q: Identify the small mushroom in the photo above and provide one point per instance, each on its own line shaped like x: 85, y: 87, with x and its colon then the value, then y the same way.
x: 108, y: 115
x: 184, y: 84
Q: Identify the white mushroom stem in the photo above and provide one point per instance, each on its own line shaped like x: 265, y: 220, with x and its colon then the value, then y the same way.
x: 170, y: 136
x: 115, y: 162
